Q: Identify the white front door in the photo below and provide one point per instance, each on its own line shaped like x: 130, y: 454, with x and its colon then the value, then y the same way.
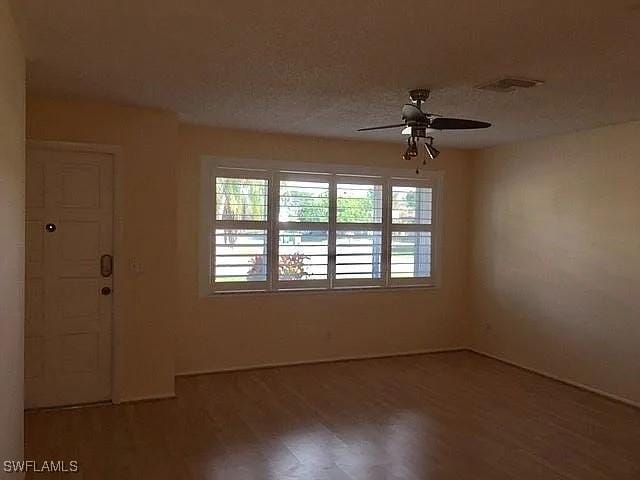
x: 68, y: 295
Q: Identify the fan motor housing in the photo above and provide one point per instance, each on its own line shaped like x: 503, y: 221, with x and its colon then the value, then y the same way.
x: 413, y: 116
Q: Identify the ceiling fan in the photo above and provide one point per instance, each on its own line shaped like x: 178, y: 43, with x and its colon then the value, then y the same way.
x: 418, y: 124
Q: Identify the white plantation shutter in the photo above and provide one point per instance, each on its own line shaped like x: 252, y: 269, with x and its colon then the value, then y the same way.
x: 359, y: 226
x: 274, y: 228
x: 241, y: 199
x: 240, y: 253
x: 410, y: 254
x: 303, y: 231
x: 411, y: 229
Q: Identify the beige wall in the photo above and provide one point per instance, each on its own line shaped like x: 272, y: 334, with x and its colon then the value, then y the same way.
x: 12, y: 77
x: 556, y: 256
x: 144, y: 333
x: 163, y: 318
x: 238, y: 331
x: 555, y: 269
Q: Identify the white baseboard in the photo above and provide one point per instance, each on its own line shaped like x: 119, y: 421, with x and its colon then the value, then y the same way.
x: 144, y: 398
x: 258, y: 366
x: 147, y: 398
x: 581, y: 386
x: 76, y: 406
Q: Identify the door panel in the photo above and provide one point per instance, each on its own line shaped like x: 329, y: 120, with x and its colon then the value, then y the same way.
x: 34, y: 311
x: 79, y: 353
x: 35, y: 238
x: 68, y: 324
x: 35, y: 183
x: 79, y: 247
x: 77, y: 183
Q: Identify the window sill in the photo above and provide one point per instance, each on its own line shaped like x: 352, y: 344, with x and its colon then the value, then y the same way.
x: 321, y: 291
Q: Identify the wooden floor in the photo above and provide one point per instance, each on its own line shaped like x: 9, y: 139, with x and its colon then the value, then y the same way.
x: 441, y: 416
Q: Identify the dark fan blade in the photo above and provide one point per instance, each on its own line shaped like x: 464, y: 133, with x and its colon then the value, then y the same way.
x: 381, y: 128
x: 444, y: 123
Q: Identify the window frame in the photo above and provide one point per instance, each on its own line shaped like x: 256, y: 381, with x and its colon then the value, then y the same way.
x: 273, y: 172
x: 215, y: 224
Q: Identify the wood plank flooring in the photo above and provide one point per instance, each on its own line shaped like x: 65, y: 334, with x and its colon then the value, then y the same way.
x: 440, y: 416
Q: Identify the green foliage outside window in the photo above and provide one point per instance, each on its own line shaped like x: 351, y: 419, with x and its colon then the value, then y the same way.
x: 246, y: 200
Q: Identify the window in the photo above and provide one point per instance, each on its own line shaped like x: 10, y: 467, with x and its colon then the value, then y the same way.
x: 303, y: 231
x: 273, y: 227
x: 411, y: 213
x: 240, y: 239
x: 358, y: 244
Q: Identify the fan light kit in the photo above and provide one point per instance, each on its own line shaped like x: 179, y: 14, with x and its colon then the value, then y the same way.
x: 418, y: 125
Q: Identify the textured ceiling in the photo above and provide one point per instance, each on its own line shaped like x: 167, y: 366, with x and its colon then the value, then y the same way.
x: 327, y: 67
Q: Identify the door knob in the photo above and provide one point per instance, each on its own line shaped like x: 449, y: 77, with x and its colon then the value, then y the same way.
x: 105, y: 291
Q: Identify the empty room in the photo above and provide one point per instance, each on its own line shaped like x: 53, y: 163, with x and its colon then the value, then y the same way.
x: 341, y: 239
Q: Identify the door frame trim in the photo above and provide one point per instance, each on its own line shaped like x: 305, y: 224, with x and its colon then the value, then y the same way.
x: 118, y: 242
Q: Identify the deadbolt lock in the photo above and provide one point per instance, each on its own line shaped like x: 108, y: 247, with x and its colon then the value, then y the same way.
x: 106, y: 265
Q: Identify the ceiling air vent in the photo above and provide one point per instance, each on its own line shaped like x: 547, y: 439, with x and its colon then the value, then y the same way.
x: 509, y: 84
